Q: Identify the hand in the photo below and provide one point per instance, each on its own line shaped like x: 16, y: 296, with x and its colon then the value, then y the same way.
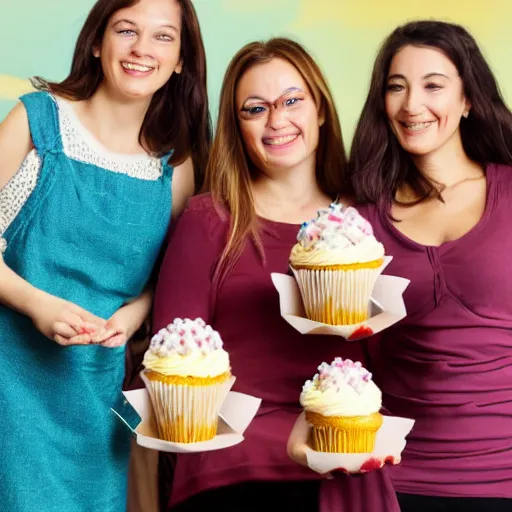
x: 62, y: 321
x: 298, y: 443
x: 117, y: 330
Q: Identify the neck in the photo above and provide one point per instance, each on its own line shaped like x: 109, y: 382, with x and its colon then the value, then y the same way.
x: 448, y: 165
x: 289, y: 195
x: 115, y: 121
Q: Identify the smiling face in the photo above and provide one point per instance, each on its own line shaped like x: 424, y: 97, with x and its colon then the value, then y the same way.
x: 278, y: 117
x: 140, y: 49
x: 424, y: 100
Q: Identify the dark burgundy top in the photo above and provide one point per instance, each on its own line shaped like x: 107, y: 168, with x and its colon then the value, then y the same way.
x: 448, y: 364
x: 270, y: 359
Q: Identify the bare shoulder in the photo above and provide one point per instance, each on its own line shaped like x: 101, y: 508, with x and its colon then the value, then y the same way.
x: 182, y: 186
x: 15, y: 142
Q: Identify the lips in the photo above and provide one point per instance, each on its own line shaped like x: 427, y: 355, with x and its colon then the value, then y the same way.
x: 279, y: 141
x: 132, y: 66
x: 417, y: 126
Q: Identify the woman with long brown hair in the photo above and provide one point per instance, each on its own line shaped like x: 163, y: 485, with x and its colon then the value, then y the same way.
x: 432, y: 160
x: 87, y: 170
x: 276, y: 159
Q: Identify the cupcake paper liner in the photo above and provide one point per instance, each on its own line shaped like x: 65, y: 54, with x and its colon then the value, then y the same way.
x: 337, y: 297
x: 187, y: 413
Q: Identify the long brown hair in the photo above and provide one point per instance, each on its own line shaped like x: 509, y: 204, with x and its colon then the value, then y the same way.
x: 378, y: 164
x: 228, y: 174
x: 178, y: 117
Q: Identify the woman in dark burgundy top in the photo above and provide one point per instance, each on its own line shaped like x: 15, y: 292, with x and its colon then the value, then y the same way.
x: 277, y: 158
x: 432, y: 158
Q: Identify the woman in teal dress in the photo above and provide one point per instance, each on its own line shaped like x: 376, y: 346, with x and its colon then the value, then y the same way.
x: 86, y: 170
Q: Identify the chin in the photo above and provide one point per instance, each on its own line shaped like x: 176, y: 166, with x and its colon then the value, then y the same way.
x: 419, y: 149
x: 137, y: 94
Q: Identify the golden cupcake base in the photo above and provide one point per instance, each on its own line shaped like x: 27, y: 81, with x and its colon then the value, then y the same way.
x: 180, y: 431
x: 337, y: 434
x: 187, y: 408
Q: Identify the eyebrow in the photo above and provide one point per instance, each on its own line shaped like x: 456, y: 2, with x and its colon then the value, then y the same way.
x: 134, y: 24
x: 290, y: 89
x: 428, y: 75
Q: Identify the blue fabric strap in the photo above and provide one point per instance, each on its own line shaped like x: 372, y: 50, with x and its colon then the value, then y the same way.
x: 43, y: 118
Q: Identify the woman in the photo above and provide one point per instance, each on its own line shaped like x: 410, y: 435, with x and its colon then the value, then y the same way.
x: 432, y: 155
x: 85, y: 194
x: 276, y: 159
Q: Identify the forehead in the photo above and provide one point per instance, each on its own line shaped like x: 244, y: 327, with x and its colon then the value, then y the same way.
x: 269, y: 81
x: 159, y: 12
x: 418, y: 61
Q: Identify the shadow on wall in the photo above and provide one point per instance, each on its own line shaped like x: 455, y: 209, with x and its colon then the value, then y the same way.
x: 12, y: 87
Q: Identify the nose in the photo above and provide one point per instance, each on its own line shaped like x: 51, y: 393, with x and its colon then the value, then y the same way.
x: 277, y: 118
x: 413, y: 102
x: 141, y: 45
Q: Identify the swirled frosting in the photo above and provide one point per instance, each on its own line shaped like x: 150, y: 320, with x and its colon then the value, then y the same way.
x: 338, y: 236
x: 342, y: 388
x: 187, y: 348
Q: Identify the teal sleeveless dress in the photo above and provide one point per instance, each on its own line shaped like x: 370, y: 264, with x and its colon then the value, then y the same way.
x: 91, y: 236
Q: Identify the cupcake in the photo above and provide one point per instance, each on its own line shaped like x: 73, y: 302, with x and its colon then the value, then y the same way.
x: 188, y: 375
x: 336, y: 262
x: 342, y: 405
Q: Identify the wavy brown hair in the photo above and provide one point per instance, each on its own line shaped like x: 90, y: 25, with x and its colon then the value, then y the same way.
x: 378, y: 164
x: 178, y: 118
x: 229, y: 172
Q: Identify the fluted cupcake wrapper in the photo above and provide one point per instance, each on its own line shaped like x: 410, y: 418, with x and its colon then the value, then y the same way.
x: 337, y: 297
x: 187, y: 413
x: 344, y: 434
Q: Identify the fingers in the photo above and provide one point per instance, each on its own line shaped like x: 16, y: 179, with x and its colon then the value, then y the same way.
x: 103, y: 335
x: 82, y: 339
x: 80, y: 326
x: 298, y: 440
x: 116, y: 341
x: 89, y: 318
x: 64, y: 330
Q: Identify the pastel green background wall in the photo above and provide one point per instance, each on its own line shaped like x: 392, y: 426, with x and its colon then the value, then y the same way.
x: 38, y: 36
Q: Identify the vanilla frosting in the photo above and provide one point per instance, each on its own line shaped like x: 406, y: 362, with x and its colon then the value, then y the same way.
x: 338, y: 236
x: 342, y: 388
x: 187, y: 348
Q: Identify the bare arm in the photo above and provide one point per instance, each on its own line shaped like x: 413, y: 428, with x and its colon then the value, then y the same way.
x: 15, y: 143
x: 182, y: 186
x: 54, y: 317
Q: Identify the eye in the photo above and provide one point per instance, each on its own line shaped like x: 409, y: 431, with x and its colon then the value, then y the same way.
x: 126, y: 32
x: 433, y: 87
x: 394, y: 87
x: 291, y: 101
x: 253, y: 111
x: 165, y: 37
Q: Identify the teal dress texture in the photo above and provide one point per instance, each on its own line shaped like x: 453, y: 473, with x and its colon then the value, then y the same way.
x: 89, y: 235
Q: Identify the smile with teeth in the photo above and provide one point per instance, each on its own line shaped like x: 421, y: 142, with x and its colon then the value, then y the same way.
x: 279, y: 141
x: 416, y: 126
x: 136, y: 67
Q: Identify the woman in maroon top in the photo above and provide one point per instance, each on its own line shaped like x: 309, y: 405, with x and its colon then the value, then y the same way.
x: 277, y: 158
x: 432, y: 158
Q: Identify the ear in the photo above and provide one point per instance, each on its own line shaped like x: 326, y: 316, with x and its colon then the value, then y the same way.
x: 467, y: 107
x: 179, y: 67
x: 96, y: 52
x: 321, y: 116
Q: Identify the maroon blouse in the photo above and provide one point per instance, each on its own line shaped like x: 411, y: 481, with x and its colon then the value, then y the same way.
x: 448, y: 364
x: 269, y: 358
